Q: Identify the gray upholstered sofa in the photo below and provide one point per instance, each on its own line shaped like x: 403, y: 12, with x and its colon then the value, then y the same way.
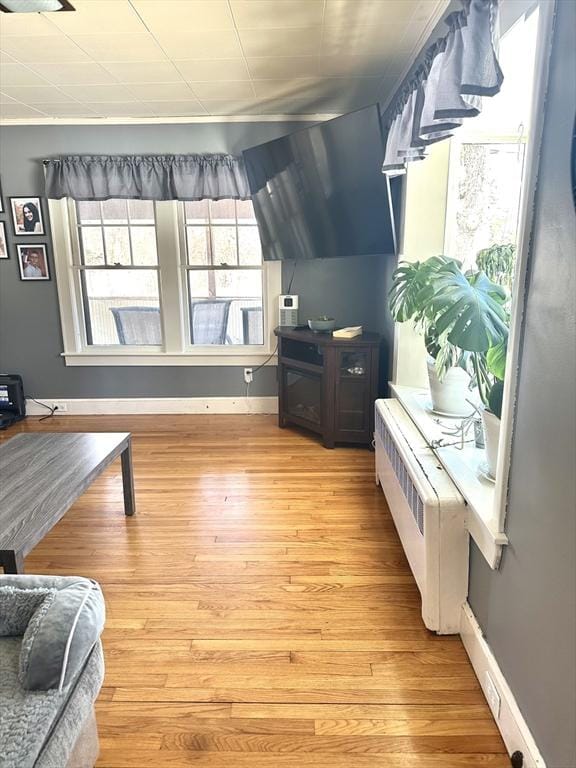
x: 51, y: 670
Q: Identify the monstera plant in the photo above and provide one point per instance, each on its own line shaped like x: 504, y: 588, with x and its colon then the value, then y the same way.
x: 463, y: 319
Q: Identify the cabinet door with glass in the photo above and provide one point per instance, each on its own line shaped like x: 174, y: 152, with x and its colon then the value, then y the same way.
x: 354, y: 374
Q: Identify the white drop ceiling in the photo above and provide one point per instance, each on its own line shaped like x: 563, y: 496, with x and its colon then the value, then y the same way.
x: 202, y: 58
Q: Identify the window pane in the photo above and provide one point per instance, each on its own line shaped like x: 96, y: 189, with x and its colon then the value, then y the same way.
x: 117, y: 245
x: 225, y: 283
x: 144, y: 246
x: 238, y: 283
x: 249, y: 248
x: 226, y: 306
x: 197, y: 245
x: 88, y: 212
x: 92, y: 246
x: 224, y: 245
x: 489, y: 182
x: 223, y: 211
x: 141, y: 211
x: 114, y: 211
x: 196, y: 212
x: 245, y: 211
x: 111, y: 289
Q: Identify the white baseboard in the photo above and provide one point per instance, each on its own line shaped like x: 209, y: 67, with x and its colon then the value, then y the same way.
x: 510, y: 721
x: 152, y: 405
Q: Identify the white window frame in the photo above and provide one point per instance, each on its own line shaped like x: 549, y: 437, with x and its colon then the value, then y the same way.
x: 488, y: 507
x: 176, y: 349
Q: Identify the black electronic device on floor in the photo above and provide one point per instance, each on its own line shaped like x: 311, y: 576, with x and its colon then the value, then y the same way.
x: 12, y: 401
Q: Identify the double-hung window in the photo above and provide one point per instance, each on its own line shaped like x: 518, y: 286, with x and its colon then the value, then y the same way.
x: 152, y: 283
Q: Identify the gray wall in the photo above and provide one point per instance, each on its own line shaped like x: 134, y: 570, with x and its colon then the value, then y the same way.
x: 30, y: 337
x: 527, y: 608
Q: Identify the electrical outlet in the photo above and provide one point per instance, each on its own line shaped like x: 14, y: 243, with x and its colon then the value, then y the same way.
x: 59, y: 406
x: 248, y: 375
x: 492, y: 695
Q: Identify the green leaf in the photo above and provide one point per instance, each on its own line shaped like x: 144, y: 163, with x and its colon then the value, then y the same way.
x: 495, y: 398
x: 469, y: 309
x: 496, y: 359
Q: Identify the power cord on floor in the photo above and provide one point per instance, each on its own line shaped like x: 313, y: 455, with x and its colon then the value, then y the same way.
x: 51, y: 408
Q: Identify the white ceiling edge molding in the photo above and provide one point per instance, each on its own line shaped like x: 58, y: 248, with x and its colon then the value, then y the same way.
x: 313, y: 117
x: 435, y: 19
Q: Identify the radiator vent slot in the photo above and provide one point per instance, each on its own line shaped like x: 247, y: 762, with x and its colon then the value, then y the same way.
x: 409, y: 489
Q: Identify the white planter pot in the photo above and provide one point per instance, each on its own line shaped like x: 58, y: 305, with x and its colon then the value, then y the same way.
x: 450, y: 395
x: 491, y: 439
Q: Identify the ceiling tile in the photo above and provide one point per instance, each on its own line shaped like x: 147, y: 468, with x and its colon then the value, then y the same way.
x: 362, y: 40
x: 120, y: 47
x: 347, y: 13
x: 278, y: 67
x: 334, y: 66
x: 315, y: 88
x: 36, y: 94
x: 161, y: 91
x: 96, y: 93
x: 175, y: 108
x: 162, y: 16
x: 5, y: 99
x: 98, y: 18
x: 260, y: 106
x: 215, y: 69
x: 222, y: 90
x: 72, y: 74
x: 45, y: 48
x: 14, y: 111
x: 120, y: 109
x: 144, y: 72
x: 17, y: 74
x: 29, y: 24
x: 71, y: 109
x: 4, y: 58
x: 277, y: 14
x: 286, y: 42
x: 200, y: 44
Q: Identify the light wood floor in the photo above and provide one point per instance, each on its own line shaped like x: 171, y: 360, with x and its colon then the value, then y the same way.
x: 261, y: 613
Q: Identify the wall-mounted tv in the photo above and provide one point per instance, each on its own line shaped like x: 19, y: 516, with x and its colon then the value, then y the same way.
x: 319, y: 192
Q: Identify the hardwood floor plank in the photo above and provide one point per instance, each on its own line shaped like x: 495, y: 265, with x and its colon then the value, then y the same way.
x: 111, y: 758
x: 260, y: 610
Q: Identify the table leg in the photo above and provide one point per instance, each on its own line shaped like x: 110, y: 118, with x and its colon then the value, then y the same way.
x: 12, y: 562
x: 128, y: 480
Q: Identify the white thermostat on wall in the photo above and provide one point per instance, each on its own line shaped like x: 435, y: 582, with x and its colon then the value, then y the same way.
x: 288, y: 310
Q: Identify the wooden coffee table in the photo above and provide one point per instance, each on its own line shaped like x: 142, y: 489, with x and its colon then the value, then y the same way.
x: 41, y: 476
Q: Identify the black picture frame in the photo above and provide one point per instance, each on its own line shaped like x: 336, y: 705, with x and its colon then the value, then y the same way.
x: 4, y: 252
x: 23, y: 259
x: 17, y: 206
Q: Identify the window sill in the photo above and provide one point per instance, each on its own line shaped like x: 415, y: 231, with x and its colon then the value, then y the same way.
x: 463, y: 466
x: 239, y: 358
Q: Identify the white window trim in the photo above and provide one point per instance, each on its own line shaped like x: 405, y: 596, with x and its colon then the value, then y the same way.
x: 175, y: 350
x: 487, y: 521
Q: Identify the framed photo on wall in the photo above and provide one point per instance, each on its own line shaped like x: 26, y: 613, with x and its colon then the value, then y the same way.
x: 33, y: 262
x: 27, y: 216
x: 3, y: 244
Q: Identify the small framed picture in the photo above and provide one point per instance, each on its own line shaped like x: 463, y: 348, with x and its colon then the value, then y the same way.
x: 1, y: 200
x: 3, y: 243
x: 27, y: 216
x: 33, y: 262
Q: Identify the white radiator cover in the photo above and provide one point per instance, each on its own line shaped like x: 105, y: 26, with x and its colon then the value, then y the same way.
x: 429, y: 514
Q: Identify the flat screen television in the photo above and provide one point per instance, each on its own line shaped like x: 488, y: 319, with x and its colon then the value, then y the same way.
x: 320, y: 193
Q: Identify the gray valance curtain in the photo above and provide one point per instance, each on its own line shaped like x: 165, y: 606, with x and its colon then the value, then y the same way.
x: 446, y: 87
x: 147, y: 177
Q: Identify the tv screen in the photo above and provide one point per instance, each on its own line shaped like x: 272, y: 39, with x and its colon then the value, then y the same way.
x: 320, y: 193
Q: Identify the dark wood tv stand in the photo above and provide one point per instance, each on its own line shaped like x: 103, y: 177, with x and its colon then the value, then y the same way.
x: 328, y: 385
